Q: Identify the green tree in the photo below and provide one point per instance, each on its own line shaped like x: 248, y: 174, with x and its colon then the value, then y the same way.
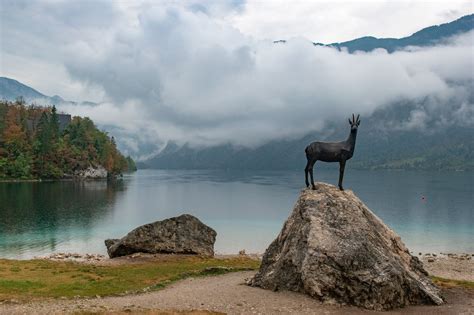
x: 16, y: 161
x: 31, y: 144
x: 44, y: 135
x: 131, y: 166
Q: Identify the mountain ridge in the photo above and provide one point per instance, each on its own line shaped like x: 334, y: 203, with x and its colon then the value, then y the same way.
x: 11, y: 89
x: 424, y: 37
x: 451, y: 148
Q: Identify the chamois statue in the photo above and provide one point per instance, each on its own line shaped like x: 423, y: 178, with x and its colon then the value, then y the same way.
x: 332, y: 152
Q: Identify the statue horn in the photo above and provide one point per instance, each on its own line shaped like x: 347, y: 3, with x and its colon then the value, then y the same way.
x: 353, y: 119
x: 357, y: 119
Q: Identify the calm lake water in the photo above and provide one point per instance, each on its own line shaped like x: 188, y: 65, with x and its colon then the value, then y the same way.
x: 431, y: 211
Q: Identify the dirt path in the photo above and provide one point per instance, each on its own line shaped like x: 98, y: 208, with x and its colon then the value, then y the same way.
x: 227, y: 294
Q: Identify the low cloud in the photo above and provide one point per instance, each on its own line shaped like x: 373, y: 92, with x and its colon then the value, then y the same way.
x: 193, y: 80
x: 180, y: 73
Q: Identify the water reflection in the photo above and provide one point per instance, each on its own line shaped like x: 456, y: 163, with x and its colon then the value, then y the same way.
x: 40, y: 216
x: 431, y: 211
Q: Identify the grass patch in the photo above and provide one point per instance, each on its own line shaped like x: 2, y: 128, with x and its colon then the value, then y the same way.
x: 450, y: 283
x: 152, y: 312
x: 26, y: 279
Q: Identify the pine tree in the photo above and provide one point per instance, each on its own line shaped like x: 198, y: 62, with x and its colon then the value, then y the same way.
x: 44, y: 134
x: 54, y: 125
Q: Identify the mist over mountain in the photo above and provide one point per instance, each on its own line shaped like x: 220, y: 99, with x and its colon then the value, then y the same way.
x: 383, y: 142
x: 11, y: 89
x: 426, y: 37
x: 401, y: 135
x: 256, y: 105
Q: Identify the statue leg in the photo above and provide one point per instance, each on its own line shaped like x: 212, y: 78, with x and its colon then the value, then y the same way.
x: 306, y: 171
x: 342, y: 166
x: 311, y: 173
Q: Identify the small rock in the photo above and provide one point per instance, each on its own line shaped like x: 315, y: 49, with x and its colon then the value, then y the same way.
x: 431, y: 260
x: 242, y: 252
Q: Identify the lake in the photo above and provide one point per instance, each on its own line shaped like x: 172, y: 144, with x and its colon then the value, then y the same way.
x: 431, y: 211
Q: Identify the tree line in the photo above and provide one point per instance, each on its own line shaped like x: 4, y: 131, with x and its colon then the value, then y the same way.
x: 33, y: 146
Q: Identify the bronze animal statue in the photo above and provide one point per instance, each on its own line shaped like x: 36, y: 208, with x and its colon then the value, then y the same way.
x: 332, y: 152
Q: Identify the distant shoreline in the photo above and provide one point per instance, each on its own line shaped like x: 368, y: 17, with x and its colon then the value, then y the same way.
x: 66, y: 179
x: 51, y: 180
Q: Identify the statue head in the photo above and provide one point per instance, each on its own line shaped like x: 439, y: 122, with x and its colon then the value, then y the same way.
x: 355, y: 122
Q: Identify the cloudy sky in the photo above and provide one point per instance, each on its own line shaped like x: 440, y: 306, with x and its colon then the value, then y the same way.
x: 207, y: 72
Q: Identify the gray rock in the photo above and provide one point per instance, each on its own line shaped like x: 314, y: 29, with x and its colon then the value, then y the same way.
x: 179, y: 235
x: 332, y: 247
x: 98, y: 172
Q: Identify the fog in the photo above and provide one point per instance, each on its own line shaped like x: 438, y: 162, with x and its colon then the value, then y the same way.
x: 180, y: 73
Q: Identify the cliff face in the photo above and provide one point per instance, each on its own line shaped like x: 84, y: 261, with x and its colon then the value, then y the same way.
x: 334, y: 248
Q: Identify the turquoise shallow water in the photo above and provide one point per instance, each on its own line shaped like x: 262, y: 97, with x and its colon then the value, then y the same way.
x: 431, y: 211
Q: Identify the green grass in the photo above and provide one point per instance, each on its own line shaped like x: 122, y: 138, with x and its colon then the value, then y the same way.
x: 450, y: 283
x: 26, y: 279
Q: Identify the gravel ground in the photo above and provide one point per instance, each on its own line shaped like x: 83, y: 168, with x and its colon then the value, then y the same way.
x: 227, y: 294
x: 454, y: 266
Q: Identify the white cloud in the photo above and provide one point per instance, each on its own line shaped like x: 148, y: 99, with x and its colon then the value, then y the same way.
x: 189, y: 74
x: 330, y: 21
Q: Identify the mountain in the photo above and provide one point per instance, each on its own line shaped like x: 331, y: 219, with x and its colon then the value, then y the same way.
x: 451, y: 148
x: 426, y: 37
x: 11, y: 89
x: 383, y: 141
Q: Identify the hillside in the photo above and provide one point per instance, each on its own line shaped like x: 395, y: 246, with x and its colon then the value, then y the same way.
x: 36, y: 144
x: 387, y: 138
x: 11, y: 89
x: 384, y: 140
x: 425, y: 37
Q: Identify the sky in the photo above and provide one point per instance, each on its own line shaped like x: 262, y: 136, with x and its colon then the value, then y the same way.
x: 207, y: 72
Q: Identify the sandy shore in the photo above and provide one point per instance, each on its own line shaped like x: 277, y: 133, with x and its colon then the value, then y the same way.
x: 229, y: 294
x: 450, y: 266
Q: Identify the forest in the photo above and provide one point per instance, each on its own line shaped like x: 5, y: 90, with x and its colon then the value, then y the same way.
x: 35, y: 144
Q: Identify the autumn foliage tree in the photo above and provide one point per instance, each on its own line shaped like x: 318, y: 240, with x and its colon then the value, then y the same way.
x: 32, y: 144
x: 15, y: 159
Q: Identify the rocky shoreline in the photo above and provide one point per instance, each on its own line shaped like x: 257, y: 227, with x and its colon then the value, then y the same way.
x: 457, y: 266
x: 90, y: 173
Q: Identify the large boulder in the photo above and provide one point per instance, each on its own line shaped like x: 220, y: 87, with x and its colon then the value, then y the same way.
x: 334, y: 248
x: 179, y: 235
